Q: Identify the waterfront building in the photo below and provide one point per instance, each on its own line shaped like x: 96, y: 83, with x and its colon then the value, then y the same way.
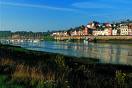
x: 115, y: 29
x: 82, y: 31
x: 104, y: 29
x: 124, y: 29
x: 79, y: 32
x: 96, y: 28
x: 114, y: 32
x: 108, y: 31
x: 98, y: 32
x: 91, y: 25
x: 85, y: 31
x: 65, y: 34
x: 56, y: 34
x: 130, y: 29
x: 74, y: 33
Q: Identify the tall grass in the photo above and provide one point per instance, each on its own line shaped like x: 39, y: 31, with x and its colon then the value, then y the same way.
x: 6, y: 61
x: 120, y: 79
x: 55, y: 71
x: 5, y: 83
x: 35, y: 75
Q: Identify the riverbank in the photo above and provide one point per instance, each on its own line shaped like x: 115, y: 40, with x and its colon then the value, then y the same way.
x: 26, y: 68
x: 114, y: 39
x: 98, y: 39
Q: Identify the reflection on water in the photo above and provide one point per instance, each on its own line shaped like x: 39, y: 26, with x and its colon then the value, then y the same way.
x: 107, y: 53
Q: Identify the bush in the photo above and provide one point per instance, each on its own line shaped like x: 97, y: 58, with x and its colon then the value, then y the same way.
x: 120, y: 79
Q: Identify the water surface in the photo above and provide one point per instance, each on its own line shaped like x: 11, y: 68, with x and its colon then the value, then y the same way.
x: 105, y: 52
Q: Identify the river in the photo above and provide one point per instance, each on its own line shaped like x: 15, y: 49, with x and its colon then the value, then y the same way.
x: 105, y: 52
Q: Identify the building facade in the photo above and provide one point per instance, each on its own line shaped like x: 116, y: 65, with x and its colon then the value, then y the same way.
x: 85, y: 31
x: 130, y: 29
x: 114, y: 32
x: 124, y: 29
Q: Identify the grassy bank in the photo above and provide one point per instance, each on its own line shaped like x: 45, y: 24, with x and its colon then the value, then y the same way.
x: 21, y: 68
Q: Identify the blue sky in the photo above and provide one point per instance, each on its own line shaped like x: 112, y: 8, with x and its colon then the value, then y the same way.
x: 43, y: 15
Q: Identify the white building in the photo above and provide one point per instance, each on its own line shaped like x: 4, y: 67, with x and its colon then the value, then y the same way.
x: 96, y: 33
x: 124, y: 29
x: 91, y: 26
x: 56, y: 34
x: 74, y: 33
x: 114, y: 32
x: 106, y: 31
x: 59, y: 34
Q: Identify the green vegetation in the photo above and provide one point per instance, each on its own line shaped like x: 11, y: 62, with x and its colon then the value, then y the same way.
x: 11, y: 47
x: 5, y: 34
x: 5, y: 83
x: 48, y: 38
x: 120, y: 78
x: 21, y: 68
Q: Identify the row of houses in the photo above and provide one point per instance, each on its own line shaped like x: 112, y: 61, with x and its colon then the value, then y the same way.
x: 96, y: 28
x: 126, y: 29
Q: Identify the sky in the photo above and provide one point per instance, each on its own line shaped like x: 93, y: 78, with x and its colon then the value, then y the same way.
x: 44, y: 15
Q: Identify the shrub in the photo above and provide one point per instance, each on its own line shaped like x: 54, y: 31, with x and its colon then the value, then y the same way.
x: 46, y: 84
x: 60, y: 61
x: 120, y: 79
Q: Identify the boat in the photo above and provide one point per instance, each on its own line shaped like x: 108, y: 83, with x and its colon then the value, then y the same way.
x: 90, y: 40
x: 35, y: 41
x: 85, y: 41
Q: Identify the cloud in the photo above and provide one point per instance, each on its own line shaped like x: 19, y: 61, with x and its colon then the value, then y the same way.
x: 37, y: 6
x: 91, y: 5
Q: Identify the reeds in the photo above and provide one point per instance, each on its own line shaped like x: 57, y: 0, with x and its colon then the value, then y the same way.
x: 32, y: 73
x: 6, y: 61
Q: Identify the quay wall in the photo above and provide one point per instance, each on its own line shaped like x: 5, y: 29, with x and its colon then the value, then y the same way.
x: 97, y: 37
